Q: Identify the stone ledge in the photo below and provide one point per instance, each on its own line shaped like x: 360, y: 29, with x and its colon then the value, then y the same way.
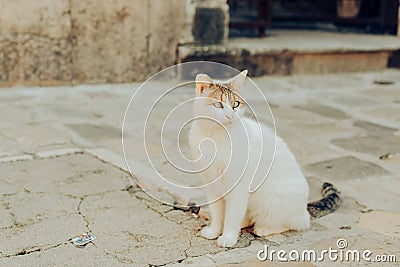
x: 299, y: 52
x: 288, y: 63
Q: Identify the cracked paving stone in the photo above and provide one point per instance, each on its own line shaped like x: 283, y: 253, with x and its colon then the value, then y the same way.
x: 143, y: 234
x: 89, y: 256
x: 245, y: 239
x: 345, y: 168
x: 95, y: 132
x: 384, y: 94
x: 199, y: 245
x: 375, y: 145
x: 325, y: 81
x: 388, y: 113
x: 178, y: 216
x: 39, y: 136
x: 392, y: 158
x: 354, y: 101
x: 6, y: 218
x: 72, y: 175
x: 8, y: 147
x: 194, y: 223
x: 29, y: 208
x: 8, y: 188
x: 19, y: 115
x: 374, y: 129
x: 383, y: 222
x: 40, y: 234
x: 383, y: 199
x: 68, y: 112
x: 323, y: 110
x: 42, y: 197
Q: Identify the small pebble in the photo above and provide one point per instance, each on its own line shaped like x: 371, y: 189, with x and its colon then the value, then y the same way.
x: 383, y: 82
x: 366, y: 210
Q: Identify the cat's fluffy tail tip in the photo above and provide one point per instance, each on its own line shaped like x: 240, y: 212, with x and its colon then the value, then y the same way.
x: 329, y: 202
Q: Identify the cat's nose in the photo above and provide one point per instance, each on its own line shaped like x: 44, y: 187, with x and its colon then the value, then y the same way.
x: 229, y: 117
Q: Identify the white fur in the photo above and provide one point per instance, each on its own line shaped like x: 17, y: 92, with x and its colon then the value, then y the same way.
x: 279, y: 204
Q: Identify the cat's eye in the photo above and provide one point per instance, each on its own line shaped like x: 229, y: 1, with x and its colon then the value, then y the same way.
x: 218, y: 105
x: 236, y: 104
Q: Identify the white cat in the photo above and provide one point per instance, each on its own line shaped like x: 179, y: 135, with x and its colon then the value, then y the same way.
x: 280, y: 203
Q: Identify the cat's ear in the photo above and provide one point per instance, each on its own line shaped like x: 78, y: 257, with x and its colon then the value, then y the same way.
x: 238, y: 80
x: 203, y: 81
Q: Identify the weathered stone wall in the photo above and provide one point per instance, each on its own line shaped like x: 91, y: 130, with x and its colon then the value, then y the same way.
x: 94, y: 41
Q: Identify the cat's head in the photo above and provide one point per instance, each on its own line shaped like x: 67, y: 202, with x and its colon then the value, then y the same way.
x: 219, y: 100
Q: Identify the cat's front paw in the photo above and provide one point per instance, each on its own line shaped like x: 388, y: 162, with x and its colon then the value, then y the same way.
x: 209, y: 232
x: 227, y: 241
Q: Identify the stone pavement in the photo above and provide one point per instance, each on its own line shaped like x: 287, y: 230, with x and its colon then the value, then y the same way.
x: 62, y: 173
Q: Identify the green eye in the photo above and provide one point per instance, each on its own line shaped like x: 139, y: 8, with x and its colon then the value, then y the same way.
x: 236, y: 104
x: 218, y: 105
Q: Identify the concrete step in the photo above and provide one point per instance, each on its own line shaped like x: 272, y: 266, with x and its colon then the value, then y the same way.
x: 286, y: 52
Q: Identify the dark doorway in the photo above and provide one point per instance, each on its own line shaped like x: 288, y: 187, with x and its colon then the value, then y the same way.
x: 253, y: 18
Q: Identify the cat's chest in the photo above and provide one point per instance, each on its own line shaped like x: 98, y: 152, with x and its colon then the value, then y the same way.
x: 219, y: 145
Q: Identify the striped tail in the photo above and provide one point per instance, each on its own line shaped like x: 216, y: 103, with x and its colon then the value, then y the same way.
x: 329, y: 202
